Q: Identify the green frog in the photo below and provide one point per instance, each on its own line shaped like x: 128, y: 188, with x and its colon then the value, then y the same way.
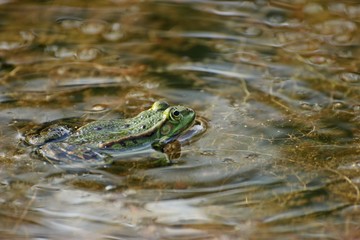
x: 156, y: 127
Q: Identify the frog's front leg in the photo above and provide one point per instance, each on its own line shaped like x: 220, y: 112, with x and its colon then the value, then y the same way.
x: 158, y: 144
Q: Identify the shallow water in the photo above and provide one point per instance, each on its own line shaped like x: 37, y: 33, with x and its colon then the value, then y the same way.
x: 278, y: 82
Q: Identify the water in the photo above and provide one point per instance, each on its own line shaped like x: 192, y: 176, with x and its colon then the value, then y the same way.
x: 277, y: 81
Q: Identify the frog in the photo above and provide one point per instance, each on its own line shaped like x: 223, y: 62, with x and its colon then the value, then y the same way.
x: 154, y: 128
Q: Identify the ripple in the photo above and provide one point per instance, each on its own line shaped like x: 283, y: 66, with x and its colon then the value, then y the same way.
x: 216, y: 69
x: 266, y: 74
x: 295, y: 41
x: 6, y: 99
x: 288, y: 4
x: 313, y: 8
x: 304, y: 211
x: 307, y: 46
x: 350, y: 77
x: 88, y: 81
x: 179, y: 210
x: 351, y: 166
x: 231, y: 9
x: 69, y: 22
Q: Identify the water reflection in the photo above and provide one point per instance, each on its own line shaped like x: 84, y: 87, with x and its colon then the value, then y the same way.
x: 278, y: 82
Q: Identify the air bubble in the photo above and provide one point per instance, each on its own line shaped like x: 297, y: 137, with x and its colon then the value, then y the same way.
x: 7, y: 45
x: 338, y: 105
x: 115, y: 33
x: 319, y: 60
x: 60, y: 52
x: 353, y: 11
x: 310, y: 107
x: 99, y: 107
x: 88, y: 54
x: 27, y: 36
x: 356, y: 108
x: 313, y: 8
x: 250, y: 31
x: 64, y: 53
x: 337, y: 8
x: 335, y: 27
x: 93, y: 27
x: 13, y: 41
x: 306, y: 106
x: 286, y: 37
x: 276, y: 17
x: 341, y: 39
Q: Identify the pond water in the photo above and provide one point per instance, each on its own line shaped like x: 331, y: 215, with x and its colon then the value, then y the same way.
x: 277, y: 81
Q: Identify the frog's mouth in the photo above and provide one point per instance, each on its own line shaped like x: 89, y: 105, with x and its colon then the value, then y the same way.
x: 192, y: 132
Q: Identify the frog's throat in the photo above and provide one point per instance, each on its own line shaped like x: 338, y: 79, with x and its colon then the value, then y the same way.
x: 166, y: 140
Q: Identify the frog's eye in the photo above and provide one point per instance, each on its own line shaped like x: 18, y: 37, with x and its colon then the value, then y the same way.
x: 175, y: 115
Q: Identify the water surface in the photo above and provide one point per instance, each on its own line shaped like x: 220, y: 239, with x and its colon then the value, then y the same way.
x: 278, y: 82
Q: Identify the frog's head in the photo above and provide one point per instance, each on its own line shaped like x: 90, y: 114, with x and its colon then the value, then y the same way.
x: 176, y: 119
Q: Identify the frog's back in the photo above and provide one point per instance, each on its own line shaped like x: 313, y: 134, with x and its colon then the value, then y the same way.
x: 98, y: 131
x: 101, y: 132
